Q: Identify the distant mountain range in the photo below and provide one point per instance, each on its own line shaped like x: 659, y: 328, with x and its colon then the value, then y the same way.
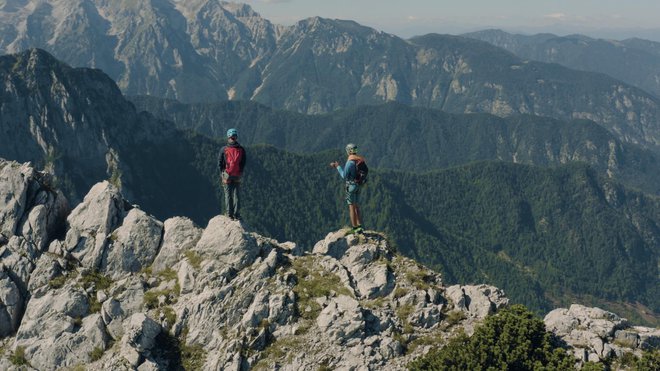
x: 399, y: 137
x: 635, y: 61
x: 547, y: 236
x: 205, y: 51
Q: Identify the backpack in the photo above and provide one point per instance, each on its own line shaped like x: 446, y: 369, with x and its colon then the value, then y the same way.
x: 362, y: 170
x: 233, y: 157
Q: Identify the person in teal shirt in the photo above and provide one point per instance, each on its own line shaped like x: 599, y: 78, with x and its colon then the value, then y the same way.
x: 350, y: 173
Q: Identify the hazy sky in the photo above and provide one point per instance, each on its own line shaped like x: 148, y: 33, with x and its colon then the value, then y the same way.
x: 604, y: 18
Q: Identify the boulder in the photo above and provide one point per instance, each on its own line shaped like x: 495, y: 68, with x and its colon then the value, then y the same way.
x: 372, y: 278
x: 225, y: 243
x: 14, y: 185
x: 11, y: 305
x: 341, y: 319
x: 180, y: 234
x: 477, y: 301
x: 134, y: 245
x: 91, y: 222
x: 334, y: 244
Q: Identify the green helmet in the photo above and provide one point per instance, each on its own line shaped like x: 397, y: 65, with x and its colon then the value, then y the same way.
x: 232, y: 133
x: 351, y: 148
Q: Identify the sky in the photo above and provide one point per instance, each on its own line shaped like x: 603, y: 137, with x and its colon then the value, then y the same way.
x: 616, y: 19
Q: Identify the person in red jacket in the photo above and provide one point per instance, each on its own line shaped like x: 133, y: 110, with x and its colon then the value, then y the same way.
x: 231, y: 162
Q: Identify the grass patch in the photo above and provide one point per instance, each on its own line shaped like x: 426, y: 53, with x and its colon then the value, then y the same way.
x: 420, y: 279
x: 399, y: 292
x: 374, y: 303
x: 281, y: 349
x: 314, y: 283
x: 18, y: 358
x: 57, y: 282
x: 95, y: 280
x: 435, y: 340
x: 151, y: 297
x: 169, y: 315
x: 167, y: 274
x: 403, y: 312
x: 96, y: 354
x: 193, y: 258
x: 454, y: 318
x: 193, y: 356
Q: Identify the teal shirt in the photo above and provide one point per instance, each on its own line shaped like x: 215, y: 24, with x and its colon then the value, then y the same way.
x: 349, y: 172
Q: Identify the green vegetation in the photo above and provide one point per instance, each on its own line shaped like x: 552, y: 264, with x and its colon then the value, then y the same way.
x: 97, y: 282
x: 18, y: 358
x: 151, y: 300
x: 280, y: 349
x: 193, y: 258
x: 441, y: 140
x: 170, y: 315
x: 178, y: 353
x: 513, y: 339
x: 312, y: 283
x: 168, y: 274
x: 57, y: 282
x: 96, y: 354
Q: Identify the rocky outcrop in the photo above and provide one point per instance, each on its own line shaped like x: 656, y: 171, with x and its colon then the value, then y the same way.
x: 596, y: 335
x: 121, y: 290
x: 31, y: 215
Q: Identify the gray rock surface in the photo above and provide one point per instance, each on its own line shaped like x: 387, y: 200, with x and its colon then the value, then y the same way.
x: 133, y: 246
x: 596, y: 334
x: 180, y: 235
x: 236, y: 300
x: 91, y: 223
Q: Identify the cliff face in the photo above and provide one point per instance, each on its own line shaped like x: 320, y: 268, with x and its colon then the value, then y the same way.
x: 203, y: 51
x: 70, y: 121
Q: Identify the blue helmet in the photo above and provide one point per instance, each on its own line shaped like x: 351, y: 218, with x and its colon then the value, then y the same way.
x: 232, y: 133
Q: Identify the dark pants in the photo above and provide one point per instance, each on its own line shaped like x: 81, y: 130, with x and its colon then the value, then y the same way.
x: 231, y: 198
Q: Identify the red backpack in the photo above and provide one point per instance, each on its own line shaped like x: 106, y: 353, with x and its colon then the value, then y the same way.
x: 233, y: 157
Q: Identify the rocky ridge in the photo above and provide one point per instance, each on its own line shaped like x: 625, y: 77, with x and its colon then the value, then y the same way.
x: 117, y: 289
x: 114, y: 288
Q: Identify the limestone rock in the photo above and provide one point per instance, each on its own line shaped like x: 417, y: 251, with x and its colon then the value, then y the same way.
x: 11, y: 305
x: 91, y: 222
x: 373, y: 278
x: 226, y: 243
x: 140, y: 332
x: 334, y: 244
x: 342, y: 319
x: 477, y: 301
x: 133, y: 246
x: 596, y: 334
x: 180, y: 235
x: 13, y: 194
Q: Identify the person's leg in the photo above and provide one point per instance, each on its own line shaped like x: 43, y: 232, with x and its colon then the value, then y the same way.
x: 237, y: 187
x: 358, y: 215
x: 351, y: 213
x: 229, y: 202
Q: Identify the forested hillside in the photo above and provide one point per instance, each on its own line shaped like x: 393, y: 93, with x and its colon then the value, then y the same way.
x: 396, y: 136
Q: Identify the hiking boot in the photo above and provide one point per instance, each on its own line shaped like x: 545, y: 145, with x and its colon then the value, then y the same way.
x: 229, y: 216
x: 358, y: 230
x: 237, y: 217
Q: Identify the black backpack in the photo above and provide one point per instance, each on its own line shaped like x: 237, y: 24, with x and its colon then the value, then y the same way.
x: 362, y: 170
